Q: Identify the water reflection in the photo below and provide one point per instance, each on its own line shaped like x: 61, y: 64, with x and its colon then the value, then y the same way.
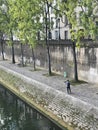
x: 16, y: 115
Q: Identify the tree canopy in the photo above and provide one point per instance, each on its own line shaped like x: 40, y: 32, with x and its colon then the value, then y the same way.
x: 24, y: 17
x: 82, y: 17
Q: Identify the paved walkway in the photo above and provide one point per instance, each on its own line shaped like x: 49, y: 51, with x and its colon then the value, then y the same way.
x: 86, y: 92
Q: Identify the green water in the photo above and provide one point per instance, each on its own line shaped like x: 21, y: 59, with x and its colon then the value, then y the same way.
x: 16, y: 115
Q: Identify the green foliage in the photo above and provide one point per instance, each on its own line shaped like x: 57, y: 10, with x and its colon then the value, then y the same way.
x: 9, y: 43
x: 80, y: 14
x: 22, y: 18
x: 7, y: 24
x: 27, y: 14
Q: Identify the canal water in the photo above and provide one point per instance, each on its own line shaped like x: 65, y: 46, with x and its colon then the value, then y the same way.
x: 17, y: 115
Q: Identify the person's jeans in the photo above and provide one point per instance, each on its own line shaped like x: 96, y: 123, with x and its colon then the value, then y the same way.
x: 68, y: 90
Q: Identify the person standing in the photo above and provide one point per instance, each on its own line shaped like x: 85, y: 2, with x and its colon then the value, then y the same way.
x: 68, y: 87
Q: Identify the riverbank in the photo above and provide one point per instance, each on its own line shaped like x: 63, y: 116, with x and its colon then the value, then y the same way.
x: 49, y: 96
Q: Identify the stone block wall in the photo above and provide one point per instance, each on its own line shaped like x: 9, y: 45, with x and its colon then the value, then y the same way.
x: 78, y: 114
x: 61, y: 58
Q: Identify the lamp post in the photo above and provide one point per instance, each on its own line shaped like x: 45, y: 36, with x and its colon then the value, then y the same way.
x: 47, y: 43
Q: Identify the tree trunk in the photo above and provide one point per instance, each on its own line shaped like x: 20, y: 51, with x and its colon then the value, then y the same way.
x: 48, y: 50
x: 2, y: 50
x: 49, y: 60
x: 75, y: 62
x: 33, y: 58
x: 22, y: 55
x: 13, y: 54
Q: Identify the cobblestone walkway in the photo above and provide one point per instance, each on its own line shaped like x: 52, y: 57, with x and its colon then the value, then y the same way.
x: 85, y: 92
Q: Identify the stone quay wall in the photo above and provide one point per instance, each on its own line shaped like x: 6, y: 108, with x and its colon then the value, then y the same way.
x: 61, y: 58
x: 64, y: 109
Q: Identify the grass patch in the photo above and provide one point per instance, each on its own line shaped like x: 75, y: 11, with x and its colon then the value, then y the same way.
x: 21, y: 65
x: 37, y: 69
x: 52, y: 74
x: 31, y: 67
x: 73, y: 82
